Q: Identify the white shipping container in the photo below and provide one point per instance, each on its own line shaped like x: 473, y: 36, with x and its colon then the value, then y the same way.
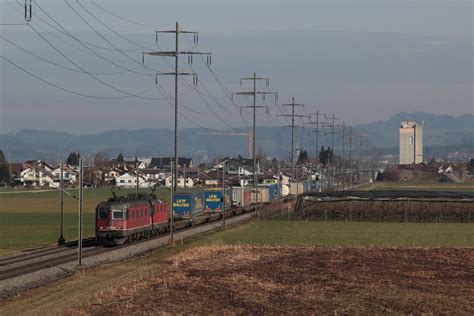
x: 238, y: 195
x: 296, y: 188
x: 263, y: 196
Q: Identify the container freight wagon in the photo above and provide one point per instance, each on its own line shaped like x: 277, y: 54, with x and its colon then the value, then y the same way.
x: 213, y: 200
x: 309, y: 186
x: 274, y: 191
x: 241, y: 196
x: 188, y: 205
x: 263, y: 195
x: 296, y: 188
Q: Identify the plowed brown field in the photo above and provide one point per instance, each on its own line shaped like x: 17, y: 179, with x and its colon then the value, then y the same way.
x: 300, y: 280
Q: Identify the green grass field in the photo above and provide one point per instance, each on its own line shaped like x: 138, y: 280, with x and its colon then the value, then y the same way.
x: 31, y: 219
x: 48, y: 202
x: 280, y: 232
x: 429, y: 186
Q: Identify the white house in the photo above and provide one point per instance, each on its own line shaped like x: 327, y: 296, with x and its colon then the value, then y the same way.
x: 245, y: 182
x: 153, y: 174
x: 69, y: 176
x: 129, y: 180
x: 111, y: 175
x: 131, y: 164
x: 35, y: 177
x: 189, y: 182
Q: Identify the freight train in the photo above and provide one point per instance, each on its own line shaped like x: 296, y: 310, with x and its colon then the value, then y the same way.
x: 123, y: 219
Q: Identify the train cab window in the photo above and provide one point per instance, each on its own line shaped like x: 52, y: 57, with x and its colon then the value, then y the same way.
x: 117, y: 214
x: 104, y: 213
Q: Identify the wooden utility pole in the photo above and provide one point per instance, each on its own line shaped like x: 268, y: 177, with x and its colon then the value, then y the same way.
x: 81, y: 210
x: 223, y: 192
x: 254, y: 93
x: 136, y: 172
x: 61, y: 240
x: 171, y: 241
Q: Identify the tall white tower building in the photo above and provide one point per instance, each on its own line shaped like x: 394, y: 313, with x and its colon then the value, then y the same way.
x: 411, y: 143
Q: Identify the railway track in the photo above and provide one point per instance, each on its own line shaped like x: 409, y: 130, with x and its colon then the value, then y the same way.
x: 39, y: 259
x: 42, y: 258
x: 43, y: 251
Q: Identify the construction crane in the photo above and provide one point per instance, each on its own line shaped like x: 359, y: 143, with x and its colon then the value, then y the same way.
x: 249, y: 136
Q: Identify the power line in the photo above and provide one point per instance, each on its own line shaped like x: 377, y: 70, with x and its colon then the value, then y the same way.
x: 226, y: 91
x: 107, y: 27
x: 146, y: 68
x: 56, y: 64
x: 68, y: 34
x: 116, y: 49
x: 57, y: 86
x: 83, y: 43
x: 160, y: 89
x: 86, y: 72
x: 124, y: 19
x: 195, y: 86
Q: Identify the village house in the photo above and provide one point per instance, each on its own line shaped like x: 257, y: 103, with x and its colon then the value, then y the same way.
x: 129, y: 180
x: 70, y: 176
x: 32, y: 173
x: 181, y: 182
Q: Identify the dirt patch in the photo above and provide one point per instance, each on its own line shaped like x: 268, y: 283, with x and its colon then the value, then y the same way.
x: 301, y: 280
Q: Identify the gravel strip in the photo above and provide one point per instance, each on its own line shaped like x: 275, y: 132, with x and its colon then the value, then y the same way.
x: 35, y: 279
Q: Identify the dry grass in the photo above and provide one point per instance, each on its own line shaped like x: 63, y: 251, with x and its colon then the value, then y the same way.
x: 243, y: 279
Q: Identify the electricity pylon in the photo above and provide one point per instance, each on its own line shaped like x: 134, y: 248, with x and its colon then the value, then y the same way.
x: 175, y: 54
x: 293, y: 115
x: 254, y: 93
x: 317, y: 131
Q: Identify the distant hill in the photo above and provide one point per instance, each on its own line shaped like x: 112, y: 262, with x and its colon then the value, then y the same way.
x: 441, y: 131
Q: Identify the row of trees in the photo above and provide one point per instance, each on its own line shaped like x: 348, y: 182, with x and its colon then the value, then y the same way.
x: 4, y: 170
x: 326, y: 155
x: 99, y: 159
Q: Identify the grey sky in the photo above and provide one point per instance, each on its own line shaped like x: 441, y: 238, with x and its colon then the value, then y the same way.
x: 363, y: 60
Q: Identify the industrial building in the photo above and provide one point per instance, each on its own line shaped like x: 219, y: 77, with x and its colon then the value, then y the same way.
x: 411, y: 142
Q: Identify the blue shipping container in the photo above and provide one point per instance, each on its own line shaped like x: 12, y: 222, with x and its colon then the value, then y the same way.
x: 273, y: 192
x: 188, y: 205
x: 213, y: 200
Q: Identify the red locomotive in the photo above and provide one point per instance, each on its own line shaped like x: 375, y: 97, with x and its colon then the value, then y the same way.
x: 126, y: 219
